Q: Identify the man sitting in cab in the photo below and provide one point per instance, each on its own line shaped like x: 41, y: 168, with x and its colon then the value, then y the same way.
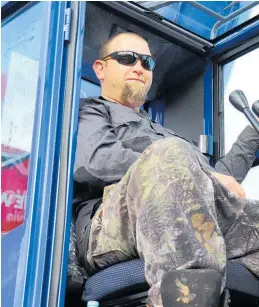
x: 147, y: 192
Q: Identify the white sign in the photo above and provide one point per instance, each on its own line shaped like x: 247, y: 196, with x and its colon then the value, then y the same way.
x: 20, y: 101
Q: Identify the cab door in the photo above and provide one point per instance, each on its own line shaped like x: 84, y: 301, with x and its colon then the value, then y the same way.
x: 36, y: 73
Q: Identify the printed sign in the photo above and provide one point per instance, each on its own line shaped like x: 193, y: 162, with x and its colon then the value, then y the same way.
x: 18, y: 105
x: 14, y: 176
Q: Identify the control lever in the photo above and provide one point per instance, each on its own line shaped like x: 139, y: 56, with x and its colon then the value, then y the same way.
x: 239, y: 101
x: 255, y: 108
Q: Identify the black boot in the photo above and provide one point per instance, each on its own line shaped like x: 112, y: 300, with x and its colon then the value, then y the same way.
x: 191, y: 288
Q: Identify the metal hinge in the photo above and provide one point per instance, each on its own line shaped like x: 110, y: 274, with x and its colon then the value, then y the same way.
x: 67, y: 25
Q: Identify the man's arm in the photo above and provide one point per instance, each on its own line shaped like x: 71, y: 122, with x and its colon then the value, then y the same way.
x: 238, y: 161
x: 100, y: 156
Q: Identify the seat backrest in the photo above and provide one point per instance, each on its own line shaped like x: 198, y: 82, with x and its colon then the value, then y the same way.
x: 75, y: 273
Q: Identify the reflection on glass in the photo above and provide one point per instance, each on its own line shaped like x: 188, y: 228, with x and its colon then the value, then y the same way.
x: 89, y: 89
x: 209, y: 19
x: 21, y: 43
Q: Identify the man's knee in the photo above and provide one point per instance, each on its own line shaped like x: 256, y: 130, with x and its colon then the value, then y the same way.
x: 171, y: 150
x: 173, y: 143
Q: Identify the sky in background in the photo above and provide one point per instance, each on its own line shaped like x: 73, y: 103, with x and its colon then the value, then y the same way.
x: 244, y: 76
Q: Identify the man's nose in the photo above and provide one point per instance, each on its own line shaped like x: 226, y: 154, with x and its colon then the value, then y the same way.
x: 138, y: 68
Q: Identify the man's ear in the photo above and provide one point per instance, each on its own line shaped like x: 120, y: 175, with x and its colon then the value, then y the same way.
x: 98, y: 67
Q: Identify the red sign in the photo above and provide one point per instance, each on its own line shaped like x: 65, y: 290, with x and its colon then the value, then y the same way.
x: 14, y: 177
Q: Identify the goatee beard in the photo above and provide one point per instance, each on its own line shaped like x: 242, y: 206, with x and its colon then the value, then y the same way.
x: 133, y: 98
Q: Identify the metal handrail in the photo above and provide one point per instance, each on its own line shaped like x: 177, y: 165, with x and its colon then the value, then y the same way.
x: 206, y: 10
x: 231, y: 16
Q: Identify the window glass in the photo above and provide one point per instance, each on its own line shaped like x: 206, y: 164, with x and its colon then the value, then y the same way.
x: 89, y: 89
x: 20, y: 55
x: 242, y: 74
x: 209, y: 19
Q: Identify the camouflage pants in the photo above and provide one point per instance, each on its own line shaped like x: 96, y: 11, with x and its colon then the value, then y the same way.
x: 171, y: 212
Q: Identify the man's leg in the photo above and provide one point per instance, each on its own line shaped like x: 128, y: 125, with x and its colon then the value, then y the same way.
x: 162, y: 210
x: 242, y: 238
x: 238, y: 219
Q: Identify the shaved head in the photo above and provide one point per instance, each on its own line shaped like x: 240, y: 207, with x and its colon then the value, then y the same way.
x: 105, y: 47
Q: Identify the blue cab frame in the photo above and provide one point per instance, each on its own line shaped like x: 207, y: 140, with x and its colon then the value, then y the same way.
x: 29, y: 283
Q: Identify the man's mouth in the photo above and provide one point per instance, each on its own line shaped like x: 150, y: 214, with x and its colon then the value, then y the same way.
x: 133, y: 79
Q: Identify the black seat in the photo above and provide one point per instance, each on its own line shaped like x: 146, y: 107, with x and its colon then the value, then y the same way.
x: 122, y: 279
x: 126, y: 281
x: 127, y: 278
x: 239, y: 278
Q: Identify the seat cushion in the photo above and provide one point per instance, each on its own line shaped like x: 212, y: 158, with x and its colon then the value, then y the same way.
x: 124, y: 278
x: 128, y: 278
x: 239, y: 278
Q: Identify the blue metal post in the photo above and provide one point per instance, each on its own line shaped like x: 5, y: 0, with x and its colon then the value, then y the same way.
x: 208, y: 104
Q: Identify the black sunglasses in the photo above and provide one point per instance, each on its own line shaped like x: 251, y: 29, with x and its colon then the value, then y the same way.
x: 130, y: 58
